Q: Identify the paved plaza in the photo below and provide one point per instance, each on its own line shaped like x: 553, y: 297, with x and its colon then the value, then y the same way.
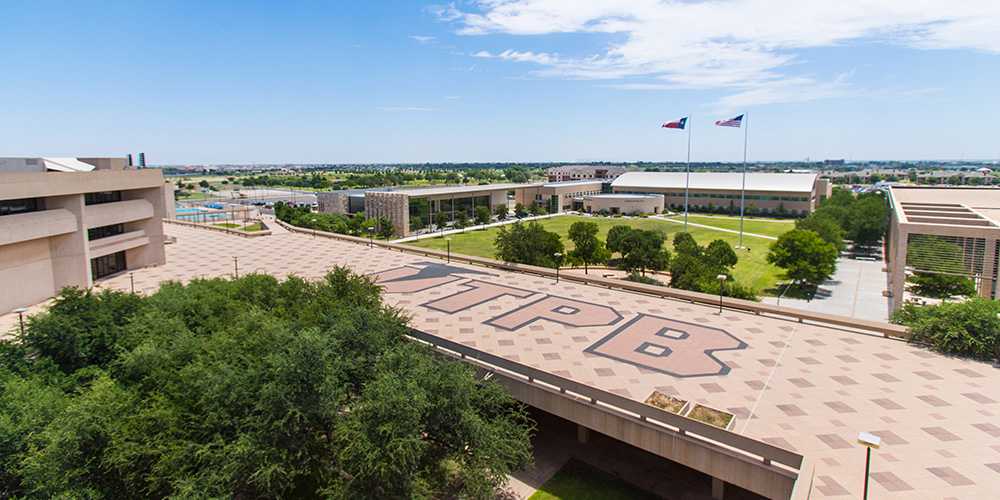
x: 804, y: 387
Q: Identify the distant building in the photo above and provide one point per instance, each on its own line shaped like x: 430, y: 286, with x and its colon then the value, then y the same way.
x: 584, y: 172
x: 798, y: 194
x: 557, y: 197
x: 833, y: 163
x: 70, y: 221
x: 401, y: 206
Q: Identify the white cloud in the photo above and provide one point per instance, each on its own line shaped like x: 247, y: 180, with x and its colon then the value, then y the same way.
x: 422, y: 39
x: 745, y: 45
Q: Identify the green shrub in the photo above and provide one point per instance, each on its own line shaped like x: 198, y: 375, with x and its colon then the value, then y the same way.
x: 970, y: 328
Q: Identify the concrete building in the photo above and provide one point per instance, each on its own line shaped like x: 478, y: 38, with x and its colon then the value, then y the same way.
x: 624, y: 203
x: 69, y: 221
x: 584, y: 172
x: 400, y: 206
x: 556, y: 197
x: 944, y: 230
x: 798, y: 194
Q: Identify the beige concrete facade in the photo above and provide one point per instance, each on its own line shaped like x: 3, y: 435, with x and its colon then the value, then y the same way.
x: 569, y: 173
x: 557, y: 197
x: 624, y: 203
x: 964, y: 217
x: 49, y: 246
x: 400, y: 206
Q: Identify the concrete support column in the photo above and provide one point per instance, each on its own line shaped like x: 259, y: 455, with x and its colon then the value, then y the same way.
x: 989, y: 268
x: 582, y: 434
x: 718, y: 488
x: 898, y: 268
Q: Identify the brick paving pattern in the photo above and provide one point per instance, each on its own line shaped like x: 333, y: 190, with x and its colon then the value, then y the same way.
x: 811, y: 388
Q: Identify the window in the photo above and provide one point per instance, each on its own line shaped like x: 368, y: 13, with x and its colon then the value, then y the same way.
x: 102, y: 197
x: 12, y: 207
x: 105, y: 231
x: 107, y: 265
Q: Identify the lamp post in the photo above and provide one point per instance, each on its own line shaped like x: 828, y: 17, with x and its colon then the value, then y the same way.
x: 131, y: 279
x: 782, y: 292
x: 870, y: 442
x: 371, y: 236
x: 448, y: 241
x: 722, y: 279
x: 20, y: 317
x: 558, y: 257
x: 314, y: 228
x: 236, y: 265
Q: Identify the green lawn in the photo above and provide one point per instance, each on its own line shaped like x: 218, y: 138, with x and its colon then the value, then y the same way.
x: 578, y: 481
x: 752, y: 269
x: 198, y: 196
x: 766, y: 227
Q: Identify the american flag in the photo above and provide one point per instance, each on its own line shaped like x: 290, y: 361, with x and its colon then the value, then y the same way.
x: 732, y: 122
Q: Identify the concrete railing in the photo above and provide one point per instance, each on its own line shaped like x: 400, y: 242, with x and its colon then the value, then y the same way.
x: 239, y: 232
x: 768, y: 453
x: 885, y: 329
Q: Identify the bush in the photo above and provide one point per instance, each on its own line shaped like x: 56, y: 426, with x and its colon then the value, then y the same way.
x: 638, y: 278
x: 969, y: 328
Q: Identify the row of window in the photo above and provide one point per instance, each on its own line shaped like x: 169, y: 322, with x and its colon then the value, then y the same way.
x: 13, y: 207
x: 102, y: 197
x: 676, y: 206
x: 725, y: 196
x: 107, y: 265
x: 105, y: 231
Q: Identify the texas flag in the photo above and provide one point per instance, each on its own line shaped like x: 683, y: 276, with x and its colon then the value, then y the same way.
x: 676, y: 123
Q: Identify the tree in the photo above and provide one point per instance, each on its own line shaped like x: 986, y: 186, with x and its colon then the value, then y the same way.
x: 869, y: 219
x: 644, y: 252
x: 204, y: 184
x: 416, y: 223
x: 930, y: 256
x: 940, y: 286
x: 781, y: 211
x: 250, y: 388
x: 441, y: 219
x: 697, y: 269
x: 589, y: 249
x: 502, y: 212
x: 911, y: 176
x: 385, y: 228
x: 516, y: 175
x: 520, y: 211
x: 482, y: 215
x: 527, y: 244
x: 826, y: 226
x: 804, y: 256
x: 616, y: 238
x: 535, y: 209
x: 461, y: 220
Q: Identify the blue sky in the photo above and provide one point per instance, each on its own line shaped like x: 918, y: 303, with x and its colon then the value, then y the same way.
x: 208, y: 82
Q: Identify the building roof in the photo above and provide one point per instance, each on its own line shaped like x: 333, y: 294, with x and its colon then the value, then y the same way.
x: 623, y: 196
x: 569, y: 183
x: 436, y: 191
x: 67, y: 165
x: 725, y: 181
x: 983, y: 200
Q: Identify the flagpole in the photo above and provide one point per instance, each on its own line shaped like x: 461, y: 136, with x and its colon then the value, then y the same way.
x: 743, y: 191
x: 687, y: 180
